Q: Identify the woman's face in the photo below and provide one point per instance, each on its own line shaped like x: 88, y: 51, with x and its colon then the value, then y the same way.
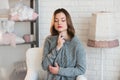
x: 60, y: 22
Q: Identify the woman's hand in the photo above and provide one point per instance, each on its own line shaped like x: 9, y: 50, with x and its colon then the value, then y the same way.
x: 54, y: 70
x: 60, y: 41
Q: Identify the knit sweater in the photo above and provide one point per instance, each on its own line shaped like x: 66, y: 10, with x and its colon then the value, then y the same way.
x: 71, y: 58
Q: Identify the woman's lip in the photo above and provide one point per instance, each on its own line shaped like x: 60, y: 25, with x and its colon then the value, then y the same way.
x: 59, y: 26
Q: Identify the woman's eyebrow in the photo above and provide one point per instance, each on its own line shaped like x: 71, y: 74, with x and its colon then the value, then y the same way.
x: 63, y: 18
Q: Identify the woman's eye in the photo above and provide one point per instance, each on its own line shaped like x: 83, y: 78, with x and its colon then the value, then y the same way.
x: 55, y: 20
x: 63, y: 20
x: 60, y: 20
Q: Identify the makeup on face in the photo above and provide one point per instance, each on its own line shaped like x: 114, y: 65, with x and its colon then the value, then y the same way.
x: 63, y: 19
x: 59, y: 26
x: 60, y: 22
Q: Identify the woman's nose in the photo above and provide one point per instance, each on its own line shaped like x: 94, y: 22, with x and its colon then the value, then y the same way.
x: 59, y: 22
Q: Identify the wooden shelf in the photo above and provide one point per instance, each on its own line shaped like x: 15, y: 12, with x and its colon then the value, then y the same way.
x: 3, y: 17
x: 33, y: 42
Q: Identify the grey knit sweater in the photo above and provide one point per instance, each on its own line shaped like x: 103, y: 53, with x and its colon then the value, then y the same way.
x: 71, y: 58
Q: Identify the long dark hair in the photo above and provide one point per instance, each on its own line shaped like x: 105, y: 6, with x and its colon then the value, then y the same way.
x: 70, y: 29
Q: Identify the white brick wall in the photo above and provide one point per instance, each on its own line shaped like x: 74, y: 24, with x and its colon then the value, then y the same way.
x: 81, y: 11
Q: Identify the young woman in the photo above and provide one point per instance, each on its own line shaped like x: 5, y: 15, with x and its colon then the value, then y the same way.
x: 63, y: 56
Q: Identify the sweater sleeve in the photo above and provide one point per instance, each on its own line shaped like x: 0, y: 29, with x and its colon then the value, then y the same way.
x: 48, y: 55
x: 79, y: 68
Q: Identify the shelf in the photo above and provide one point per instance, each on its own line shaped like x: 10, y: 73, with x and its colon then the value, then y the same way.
x: 3, y: 17
x: 34, y: 42
x: 27, y: 21
x: 34, y: 24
